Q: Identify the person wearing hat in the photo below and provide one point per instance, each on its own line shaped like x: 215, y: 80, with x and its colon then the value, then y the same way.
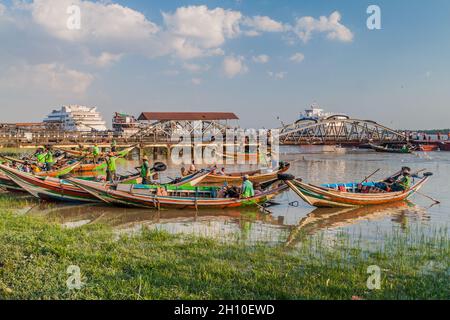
x: 110, y: 167
x: 145, y: 170
x: 404, y: 181
x: 247, y: 188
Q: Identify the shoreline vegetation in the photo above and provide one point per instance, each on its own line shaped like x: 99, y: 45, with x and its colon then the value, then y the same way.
x: 35, y: 255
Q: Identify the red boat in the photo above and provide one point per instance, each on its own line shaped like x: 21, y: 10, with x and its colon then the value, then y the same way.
x: 428, y: 147
x: 445, y: 146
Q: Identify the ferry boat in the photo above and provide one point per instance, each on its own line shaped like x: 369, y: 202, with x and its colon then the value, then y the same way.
x: 77, y: 118
x: 315, y: 113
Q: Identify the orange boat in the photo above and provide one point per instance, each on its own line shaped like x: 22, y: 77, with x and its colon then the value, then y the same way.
x: 428, y: 147
x: 347, y: 196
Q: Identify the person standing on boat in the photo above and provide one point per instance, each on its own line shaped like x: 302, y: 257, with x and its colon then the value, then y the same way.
x: 110, y: 167
x: 145, y: 171
x: 48, y: 159
x: 95, y: 152
x: 247, y: 188
x: 40, y: 156
x: 113, y: 145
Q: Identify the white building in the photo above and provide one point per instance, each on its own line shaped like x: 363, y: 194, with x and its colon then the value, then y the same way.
x: 77, y: 118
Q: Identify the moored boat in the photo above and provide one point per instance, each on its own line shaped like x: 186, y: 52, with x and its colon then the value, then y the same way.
x: 326, y: 196
x: 428, y: 147
x: 235, y: 179
x: 177, y: 197
x: 444, y: 146
x: 54, y: 189
x: 84, y: 167
x: 404, y: 149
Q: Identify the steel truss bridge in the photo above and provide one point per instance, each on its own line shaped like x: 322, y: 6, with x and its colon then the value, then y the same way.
x: 338, y: 130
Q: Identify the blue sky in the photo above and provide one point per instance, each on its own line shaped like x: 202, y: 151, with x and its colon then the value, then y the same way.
x: 237, y: 56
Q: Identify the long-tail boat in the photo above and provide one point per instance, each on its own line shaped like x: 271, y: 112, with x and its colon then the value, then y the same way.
x: 235, y: 178
x: 444, y: 146
x: 428, y: 147
x: 8, y: 184
x: 406, y: 149
x: 327, y: 196
x: 102, y: 164
x: 79, y: 153
x: 54, y: 189
x: 177, y: 197
x: 47, y: 188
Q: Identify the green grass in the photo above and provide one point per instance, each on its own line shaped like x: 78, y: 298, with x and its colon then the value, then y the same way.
x: 35, y: 255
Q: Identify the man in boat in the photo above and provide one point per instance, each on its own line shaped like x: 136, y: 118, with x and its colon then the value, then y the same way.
x: 222, y: 172
x: 95, y: 152
x: 247, y: 188
x: 404, y: 182
x: 184, y: 172
x: 192, y: 168
x: 145, y: 170
x: 113, y: 145
x: 48, y: 159
x: 110, y: 167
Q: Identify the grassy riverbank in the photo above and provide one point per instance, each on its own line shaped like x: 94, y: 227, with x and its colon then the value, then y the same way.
x: 35, y: 255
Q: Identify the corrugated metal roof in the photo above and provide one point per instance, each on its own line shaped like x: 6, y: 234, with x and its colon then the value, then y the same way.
x: 165, y: 116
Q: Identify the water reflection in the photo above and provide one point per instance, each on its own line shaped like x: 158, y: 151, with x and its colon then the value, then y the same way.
x: 287, y: 224
x: 231, y: 225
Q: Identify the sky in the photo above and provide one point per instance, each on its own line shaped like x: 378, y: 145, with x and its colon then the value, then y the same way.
x: 266, y: 61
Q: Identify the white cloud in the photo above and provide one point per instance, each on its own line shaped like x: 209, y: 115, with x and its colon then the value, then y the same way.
x: 297, y: 57
x: 196, y: 81
x: 47, y: 77
x: 306, y: 26
x: 99, y: 21
x: 2, y: 9
x: 196, y: 30
x: 277, y: 75
x: 195, y: 68
x: 262, y: 58
x: 105, y: 59
x: 264, y: 24
x: 232, y: 66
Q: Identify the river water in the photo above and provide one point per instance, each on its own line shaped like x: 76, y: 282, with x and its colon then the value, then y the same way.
x: 291, y: 216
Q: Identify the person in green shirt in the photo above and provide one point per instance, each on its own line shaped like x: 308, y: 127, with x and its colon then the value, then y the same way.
x: 95, y: 153
x: 110, y: 167
x: 247, y: 188
x: 404, y: 183
x: 145, y: 171
x: 48, y: 159
x: 40, y: 156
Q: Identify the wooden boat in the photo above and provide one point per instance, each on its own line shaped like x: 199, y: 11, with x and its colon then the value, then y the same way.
x: 444, y: 146
x: 428, y: 147
x: 78, y: 153
x: 324, y: 196
x: 390, y: 150
x: 178, y: 197
x: 8, y: 184
x: 54, y: 189
x: 102, y: 165
x: 60, y: 171
x: 235, y: 179
x: 47, y: 188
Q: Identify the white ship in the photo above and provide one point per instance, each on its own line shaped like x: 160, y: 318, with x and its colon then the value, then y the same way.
x: 77, y: 118
x: 317, y: 114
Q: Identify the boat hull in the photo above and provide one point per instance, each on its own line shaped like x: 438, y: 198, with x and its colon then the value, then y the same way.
x: 236, y: 179
x: 329, y: 198
x: 123, y: 198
